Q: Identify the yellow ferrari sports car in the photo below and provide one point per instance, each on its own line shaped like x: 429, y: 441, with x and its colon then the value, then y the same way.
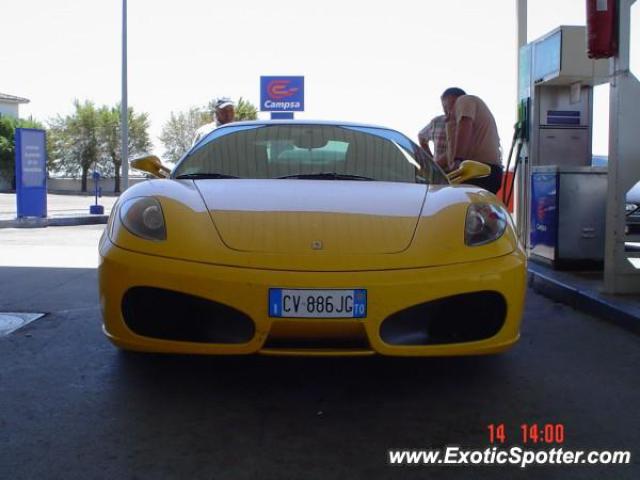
x: 310, y: 238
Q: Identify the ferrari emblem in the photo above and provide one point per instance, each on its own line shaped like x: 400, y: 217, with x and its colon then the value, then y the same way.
x: 316, y: 245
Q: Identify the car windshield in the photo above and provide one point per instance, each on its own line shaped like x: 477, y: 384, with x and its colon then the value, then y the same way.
x: 302, y: 151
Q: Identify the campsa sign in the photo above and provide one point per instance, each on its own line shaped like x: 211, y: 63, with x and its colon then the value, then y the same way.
x: 282, y: 94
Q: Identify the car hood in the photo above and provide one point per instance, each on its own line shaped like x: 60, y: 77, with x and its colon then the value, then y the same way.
x: 633, y: 195
x: 300, y: 216
x: 192, y: 235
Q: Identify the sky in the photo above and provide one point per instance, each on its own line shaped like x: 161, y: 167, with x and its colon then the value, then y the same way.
x: 373, y: 61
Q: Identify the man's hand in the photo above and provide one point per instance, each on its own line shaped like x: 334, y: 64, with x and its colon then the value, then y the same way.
x: 443, y: 162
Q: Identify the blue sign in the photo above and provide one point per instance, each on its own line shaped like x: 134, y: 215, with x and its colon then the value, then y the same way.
x: 31, y: 172
x: 281, y: 115
x: 544, y: 214
x: 282, y: 94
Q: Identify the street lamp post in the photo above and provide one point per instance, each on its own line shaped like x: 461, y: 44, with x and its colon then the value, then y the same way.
x: 521, y: 180
x: 124, y: 117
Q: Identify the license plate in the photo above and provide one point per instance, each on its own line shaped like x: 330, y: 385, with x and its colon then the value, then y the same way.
x: 317, y: 303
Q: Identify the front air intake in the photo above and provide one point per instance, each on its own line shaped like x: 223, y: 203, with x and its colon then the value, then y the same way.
x: 168, y: 315
x: 456, y: 319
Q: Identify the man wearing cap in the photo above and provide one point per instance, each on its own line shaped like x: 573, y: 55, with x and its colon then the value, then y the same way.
x: 472, y: 135
x: 224, y: 113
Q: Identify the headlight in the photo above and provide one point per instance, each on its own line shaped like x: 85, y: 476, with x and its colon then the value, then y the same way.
x: 143, y: 217
x: 485, y: 223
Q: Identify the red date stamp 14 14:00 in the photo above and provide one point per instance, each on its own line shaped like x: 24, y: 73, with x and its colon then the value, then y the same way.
x: 547, y: 434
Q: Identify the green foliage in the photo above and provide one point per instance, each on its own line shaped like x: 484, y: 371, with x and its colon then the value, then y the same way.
x: 245, y: 110
x: 110, y: 139
x: 91, y: 138
x: 73, y: 141
x: 179, y: 131
x: 8, y: 127
x: 177, y: 134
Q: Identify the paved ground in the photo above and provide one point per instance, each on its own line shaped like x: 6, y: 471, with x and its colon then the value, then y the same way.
x: 57, y: 205
x: 72, y: 407
x: 62, y: 247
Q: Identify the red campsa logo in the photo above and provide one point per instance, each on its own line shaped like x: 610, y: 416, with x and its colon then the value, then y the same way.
x: 278, y: 89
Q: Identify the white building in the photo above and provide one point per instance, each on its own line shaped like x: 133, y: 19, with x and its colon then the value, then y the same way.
x: 9, y: 105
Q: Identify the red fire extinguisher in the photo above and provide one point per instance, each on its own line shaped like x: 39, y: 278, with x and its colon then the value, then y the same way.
x: 602, y: 28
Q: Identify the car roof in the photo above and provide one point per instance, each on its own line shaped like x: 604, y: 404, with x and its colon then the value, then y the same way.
x: 334, y: 123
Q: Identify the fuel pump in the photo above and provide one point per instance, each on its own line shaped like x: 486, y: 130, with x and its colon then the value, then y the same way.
x: 520, y: 137
x: 561, y: 197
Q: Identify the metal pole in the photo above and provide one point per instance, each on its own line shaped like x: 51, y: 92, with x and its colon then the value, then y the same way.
x: 124, y: 117
x: 522, y: 175
x: 521, y: 12
x: 621, y: 275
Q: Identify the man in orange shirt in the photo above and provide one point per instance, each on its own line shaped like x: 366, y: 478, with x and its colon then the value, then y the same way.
x: 473, y: 135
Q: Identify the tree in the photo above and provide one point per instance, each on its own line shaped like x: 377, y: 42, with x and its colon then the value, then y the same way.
x: 91, y: 138
x: 110, y: 138
x: 246, y: 110
x: 177, y: 134
x: 8, y: 127
x: 74, y: 141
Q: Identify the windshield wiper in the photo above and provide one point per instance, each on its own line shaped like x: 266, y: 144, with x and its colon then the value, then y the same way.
x: 200, y: 176
x: 327, y: 176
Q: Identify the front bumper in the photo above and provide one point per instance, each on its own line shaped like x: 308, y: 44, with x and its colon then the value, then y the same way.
x: 246, y: 290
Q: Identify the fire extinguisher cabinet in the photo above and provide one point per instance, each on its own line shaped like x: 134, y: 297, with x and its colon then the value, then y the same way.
x: 602, y: 28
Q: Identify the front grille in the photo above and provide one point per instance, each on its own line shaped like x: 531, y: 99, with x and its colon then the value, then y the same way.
x: 318, y: 343
x: 325, y: 334
x: 456, y: 319
x: 168, y: 315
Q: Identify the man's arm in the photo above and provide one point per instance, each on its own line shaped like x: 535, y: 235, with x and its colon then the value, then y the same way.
x: 423, y: 137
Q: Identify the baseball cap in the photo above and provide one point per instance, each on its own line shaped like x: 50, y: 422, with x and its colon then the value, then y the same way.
x: 223, y: 102
x: 453, y: 92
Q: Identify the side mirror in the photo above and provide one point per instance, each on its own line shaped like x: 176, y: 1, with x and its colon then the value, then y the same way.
x: 151, y: 164
x: 468, y: 170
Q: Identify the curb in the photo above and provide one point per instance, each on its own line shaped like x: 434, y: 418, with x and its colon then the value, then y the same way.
x: 586, y: 301
x: 34, y: 222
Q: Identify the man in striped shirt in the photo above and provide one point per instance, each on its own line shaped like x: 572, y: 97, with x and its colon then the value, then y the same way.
x: 436, y: 132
